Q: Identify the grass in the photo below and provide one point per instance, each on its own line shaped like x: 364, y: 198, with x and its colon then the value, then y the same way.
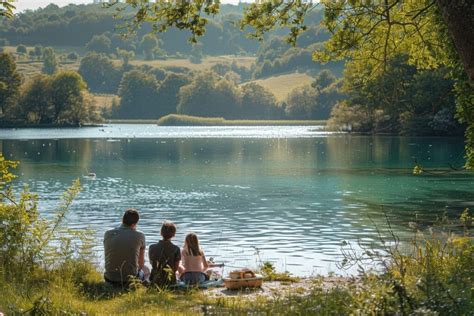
x: 282, y: 85
x: 102, y: 100
x: 187, y: 120
x: 206, y: 64
x: 131, y: 121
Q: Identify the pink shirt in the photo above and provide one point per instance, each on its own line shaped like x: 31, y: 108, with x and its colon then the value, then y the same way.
x: 192, y: 263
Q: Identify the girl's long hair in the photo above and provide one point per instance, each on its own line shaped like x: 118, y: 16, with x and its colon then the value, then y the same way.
x: 191, y: 244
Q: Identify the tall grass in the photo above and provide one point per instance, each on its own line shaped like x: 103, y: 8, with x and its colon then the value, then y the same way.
x: 187, y: 120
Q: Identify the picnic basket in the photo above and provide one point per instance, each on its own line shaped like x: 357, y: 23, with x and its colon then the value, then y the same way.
x: 244, y: 278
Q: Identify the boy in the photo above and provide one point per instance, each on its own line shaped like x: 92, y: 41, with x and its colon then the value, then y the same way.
x: 164, y: 257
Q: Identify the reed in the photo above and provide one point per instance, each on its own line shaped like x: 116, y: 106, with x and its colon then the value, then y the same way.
x: 187, y: 120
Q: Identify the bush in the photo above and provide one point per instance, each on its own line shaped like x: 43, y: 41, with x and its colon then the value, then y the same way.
x: 351, y: 118
x: 21, y: 49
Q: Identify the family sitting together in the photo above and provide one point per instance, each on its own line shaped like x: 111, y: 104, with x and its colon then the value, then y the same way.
x: 124, y: 249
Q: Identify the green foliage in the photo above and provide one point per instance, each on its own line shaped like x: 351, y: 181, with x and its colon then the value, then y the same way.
x: 21, y: 49
x: 258, y: 103
x: 72, y: 56
x: 263, y: 16
x: 402, y: 99
x: 25, y: 235
x: 168, y: 94
x: 50, y: 64
x: 6, y: 8
x: 208, y: 95
x: 10, y: 82
x: 99, y: 73
x: 465, y: 113
x: 35, y: 101
x: 99, y: 44
x: 196, y: 54
x: 126, y: 56
x: 38, y: 50
x: 148, y: 46
x: 270, y: 274
x: 138, y: 91
x: 59, y: 99
x: 373, y: 33
x: 164, y: 14
x: 315, y: 101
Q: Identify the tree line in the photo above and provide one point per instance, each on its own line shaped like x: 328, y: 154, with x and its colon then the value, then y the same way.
x: 208, y: 94
x: 59, y: 98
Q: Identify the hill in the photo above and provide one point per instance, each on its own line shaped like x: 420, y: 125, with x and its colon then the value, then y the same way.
x: 281, y: 85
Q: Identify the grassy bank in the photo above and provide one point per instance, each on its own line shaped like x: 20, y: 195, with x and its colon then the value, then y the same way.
x: 187, y: 120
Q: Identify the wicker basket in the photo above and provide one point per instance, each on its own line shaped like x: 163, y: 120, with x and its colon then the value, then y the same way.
x: 239, y: 279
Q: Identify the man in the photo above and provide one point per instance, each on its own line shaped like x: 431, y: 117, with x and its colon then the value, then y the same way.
x: 124, y: 249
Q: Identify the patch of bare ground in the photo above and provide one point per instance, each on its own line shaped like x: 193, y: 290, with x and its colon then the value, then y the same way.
x: 271, y: 289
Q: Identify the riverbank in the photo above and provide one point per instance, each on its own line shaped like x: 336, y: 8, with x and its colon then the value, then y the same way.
x: 187, y: 120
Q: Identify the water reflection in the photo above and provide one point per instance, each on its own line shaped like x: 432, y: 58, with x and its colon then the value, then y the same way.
x: 292, y: 199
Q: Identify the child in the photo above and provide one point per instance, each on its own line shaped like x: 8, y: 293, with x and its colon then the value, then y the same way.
x: 164, y: 257
x: 194, y: 262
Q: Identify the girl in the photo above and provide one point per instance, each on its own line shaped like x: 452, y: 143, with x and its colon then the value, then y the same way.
x: 193, y: 261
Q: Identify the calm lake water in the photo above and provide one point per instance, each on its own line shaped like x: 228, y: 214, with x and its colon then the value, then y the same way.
x: 293, y: 193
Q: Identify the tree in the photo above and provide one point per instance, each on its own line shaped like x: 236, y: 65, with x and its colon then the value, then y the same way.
x: 137, y: 95
x: 99, y: 44
x: 323, y: 80
x: 10, y: 81
x: 126, y: 56
x: 300, y: 103
x: 50, y: 64
x: 148, y: 45
x: 208, y: 95
x: 257, y: 103
x: 168, y: 93
x: 38, y: 50
x: 196, y: 54
x: 21, y: 49
x: 72, y: 56
x: 35, y: 101
x: 67, y: 97
x: 100, y: 73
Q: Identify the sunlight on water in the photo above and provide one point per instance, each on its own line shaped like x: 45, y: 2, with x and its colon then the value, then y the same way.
x: 291, y: 198
x: 114, y: 131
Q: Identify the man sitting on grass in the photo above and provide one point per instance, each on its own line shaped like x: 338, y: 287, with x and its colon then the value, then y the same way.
x: 124, y: 249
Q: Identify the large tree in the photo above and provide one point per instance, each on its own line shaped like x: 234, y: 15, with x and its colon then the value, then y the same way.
x: 10, y: 81
x: 67, y: 97
x: 50, y: 63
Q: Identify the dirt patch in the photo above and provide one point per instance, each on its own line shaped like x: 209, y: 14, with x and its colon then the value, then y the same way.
x: 272, y: 288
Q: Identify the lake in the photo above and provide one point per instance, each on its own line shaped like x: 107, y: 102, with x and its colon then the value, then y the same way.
x: 290, y: 195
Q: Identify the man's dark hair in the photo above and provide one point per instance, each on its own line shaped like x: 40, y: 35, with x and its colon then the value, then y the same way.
x: 130, y: 217
x: 168, y: 230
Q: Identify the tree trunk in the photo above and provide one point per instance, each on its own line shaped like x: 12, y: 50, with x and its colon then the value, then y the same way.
x: 459, y: 18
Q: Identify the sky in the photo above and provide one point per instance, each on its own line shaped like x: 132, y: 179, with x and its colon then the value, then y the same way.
x: 35, y: 4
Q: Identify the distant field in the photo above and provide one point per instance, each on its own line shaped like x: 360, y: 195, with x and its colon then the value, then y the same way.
x: 29, y: 67
x: 281, y: 85
x: 187, y: 120
x: 103, y: 100
x: 207, y: 62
